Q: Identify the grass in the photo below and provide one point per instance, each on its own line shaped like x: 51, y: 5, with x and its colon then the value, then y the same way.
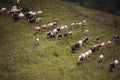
x: 52, y: 59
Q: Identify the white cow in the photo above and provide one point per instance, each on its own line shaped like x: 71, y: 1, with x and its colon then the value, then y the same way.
x: 37, y: 42
x: 21, y: 15
x: 100, y: 59
x: 86, y: 32
x: 3, y: 9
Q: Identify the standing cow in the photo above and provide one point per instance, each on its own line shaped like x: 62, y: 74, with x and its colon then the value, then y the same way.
x: 112, y: 65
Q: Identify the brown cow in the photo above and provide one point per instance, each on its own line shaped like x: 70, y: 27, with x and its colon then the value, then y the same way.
x: 37, y: 29
x: 95, y: 47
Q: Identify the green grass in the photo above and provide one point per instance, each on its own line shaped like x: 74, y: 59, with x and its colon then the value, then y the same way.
x: 52, y: 59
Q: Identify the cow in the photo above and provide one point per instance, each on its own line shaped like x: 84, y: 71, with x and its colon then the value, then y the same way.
x: 95, y: 47
x: 116, y: 38
x: 112, y: 65
x: 100, y: 59
x: 74, y: 47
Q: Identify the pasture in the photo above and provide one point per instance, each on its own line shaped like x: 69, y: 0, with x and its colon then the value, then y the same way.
x: 52, y: 59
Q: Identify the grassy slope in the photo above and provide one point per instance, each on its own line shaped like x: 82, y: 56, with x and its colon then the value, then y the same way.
x: 20, y: 60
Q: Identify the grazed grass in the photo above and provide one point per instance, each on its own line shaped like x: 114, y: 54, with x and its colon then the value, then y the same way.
x: 52, y: 59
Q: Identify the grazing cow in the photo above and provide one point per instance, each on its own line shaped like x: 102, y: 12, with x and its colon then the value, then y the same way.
x: 37, y: 42
x: 84, y: 56
x: 24, y: 9
x: 85, y: 40
x: 55, y: 22
x: 90, y: 51
x: 31, y: 20
x: 67, y: 34
x: 2, y: 9
x: 86, y: 32
x: 28, y: 16
x: 112, y: 65
x: 83, y: 22
x: 20, y: 15
x: 62, y: 28
x: 80, y: 43
x: 39, y: 19
x: 80, y: 60
x: 50, y: 25
x: 13, y: 10
x: 102, y: 44
x: 78, y: 24
x: 70, y: 33
x: 48, y: 33
x: 73, y: 25
x: 15, y: 17
x: 74, y: 47
x: 18, y: 2
x: 97, y: 39
x: 14, y: 7
x: 116, y: 38
x: 55, y: 32
x: 100, y: 59
x: 95, y: 47
x: 109, y: 42
x: 52, y: 36
x: 58, y: 29
x: 87, y: 53
x: 44, y: 27
x: 59, y: 36
x: 39, y: 13
x: 37, y: 29
x: 32, y: 13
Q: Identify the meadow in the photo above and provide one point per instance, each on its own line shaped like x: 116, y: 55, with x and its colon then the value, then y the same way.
x: 52, y: 59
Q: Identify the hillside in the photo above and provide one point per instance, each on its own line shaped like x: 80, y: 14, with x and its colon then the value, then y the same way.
x: 110, y: 6
x: 52, y: 59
